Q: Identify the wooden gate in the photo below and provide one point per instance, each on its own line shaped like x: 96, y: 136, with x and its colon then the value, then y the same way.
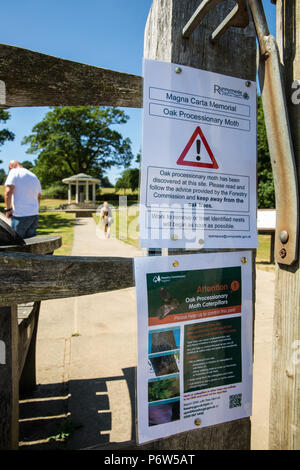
x: 31, y: 277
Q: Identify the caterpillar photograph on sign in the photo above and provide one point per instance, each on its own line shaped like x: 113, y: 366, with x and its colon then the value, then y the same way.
x: 198, y: 168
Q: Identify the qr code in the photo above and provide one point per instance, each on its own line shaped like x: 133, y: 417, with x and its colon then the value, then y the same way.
x: 235, y: 400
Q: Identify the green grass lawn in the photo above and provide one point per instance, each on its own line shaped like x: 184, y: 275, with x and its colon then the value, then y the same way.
x: 125, y: 226
x: 58, y: 223
x: 63, y: 224
x: 263, y: 252
x: 131, y: 237
x: 52, y: 204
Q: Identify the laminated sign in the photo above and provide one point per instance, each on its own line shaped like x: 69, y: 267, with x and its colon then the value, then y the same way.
x: 194, y: 341
x: 198, y: 173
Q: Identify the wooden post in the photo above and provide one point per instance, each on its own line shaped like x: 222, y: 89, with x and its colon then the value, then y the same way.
x: 77, y: 193
x: 9, y: 380
x: 27, y: 379
x: 17, y: 351
x: 234, y: 54
x: 87, y: 191
x: 285, y: 383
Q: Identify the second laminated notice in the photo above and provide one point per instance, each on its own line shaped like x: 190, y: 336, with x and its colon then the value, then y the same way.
x: 194, y: 341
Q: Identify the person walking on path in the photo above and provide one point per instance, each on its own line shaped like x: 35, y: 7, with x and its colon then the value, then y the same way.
x: 22, y: 199
x: 106, y: 218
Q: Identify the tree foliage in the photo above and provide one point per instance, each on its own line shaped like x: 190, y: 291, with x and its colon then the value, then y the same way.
x: 28, y: 165
x: 265, y: 184
x: 129, y: 179
x: 82, y: 139
x: 105, y: 183
x: 5, y: 134
x: 2, y: 175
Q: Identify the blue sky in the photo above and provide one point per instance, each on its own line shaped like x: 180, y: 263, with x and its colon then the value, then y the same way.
x: 104, y: 33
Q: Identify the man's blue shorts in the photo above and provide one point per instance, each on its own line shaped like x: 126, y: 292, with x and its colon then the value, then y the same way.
x: 25, y: 226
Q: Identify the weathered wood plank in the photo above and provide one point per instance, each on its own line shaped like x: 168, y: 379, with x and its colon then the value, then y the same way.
x: 28, y: 277
x: 284, y: 429
x: 9, y: 380
x: 234, y: 54
x: 27, y: 319
x: 227, y: 436
x: 229, y: 56
x: 27, y: 349
x: 35, y: 79
x: 42, y: 245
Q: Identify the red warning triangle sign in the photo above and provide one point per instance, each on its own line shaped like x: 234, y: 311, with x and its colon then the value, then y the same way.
x: 197, y: 160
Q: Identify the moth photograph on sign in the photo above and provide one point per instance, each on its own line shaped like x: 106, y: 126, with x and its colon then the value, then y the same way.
x: 198, y: 167
x: 194, y: 341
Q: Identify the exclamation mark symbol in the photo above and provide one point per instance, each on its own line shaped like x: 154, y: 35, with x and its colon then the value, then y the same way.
x: 198, y: 143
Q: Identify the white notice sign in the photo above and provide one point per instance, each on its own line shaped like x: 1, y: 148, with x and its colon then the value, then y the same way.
x: 194, y: 341
x: 198, y: 175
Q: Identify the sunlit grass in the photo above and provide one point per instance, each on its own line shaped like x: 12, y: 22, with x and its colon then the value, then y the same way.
x: 63, y: 224
x: 263, y: 252
x: 125, y: 226
x: 52, y: 204
x: 58, y: 223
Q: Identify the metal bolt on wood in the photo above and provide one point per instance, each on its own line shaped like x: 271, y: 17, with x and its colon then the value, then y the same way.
x: 284, y: 236
x: 283, y: 253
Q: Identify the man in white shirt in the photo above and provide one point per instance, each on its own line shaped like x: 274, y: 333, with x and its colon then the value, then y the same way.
x: 22, y: 199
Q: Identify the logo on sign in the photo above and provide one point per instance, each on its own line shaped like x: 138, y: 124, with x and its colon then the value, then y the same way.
x: 2, y: 353
x: 230, y: 92
x: 197, y: 152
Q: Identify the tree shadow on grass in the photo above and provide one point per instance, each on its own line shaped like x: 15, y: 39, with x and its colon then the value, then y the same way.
x: 53, y: 222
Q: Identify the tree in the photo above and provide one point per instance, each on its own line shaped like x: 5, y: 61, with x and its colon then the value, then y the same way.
x: 27, y: 164
x: 129, y: 179
x: 72, y: 140
x: 105, y: 183
x: 5, y: 134
x: 265, y: 184
x: 138, y: 157
x: 2, y: 175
